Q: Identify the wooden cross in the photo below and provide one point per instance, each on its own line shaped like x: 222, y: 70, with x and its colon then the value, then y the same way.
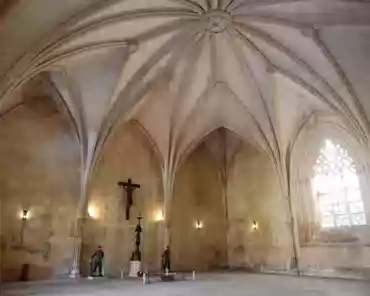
x: 129, y: 187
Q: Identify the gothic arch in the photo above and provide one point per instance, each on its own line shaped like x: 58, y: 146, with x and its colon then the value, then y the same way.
x: 305, y: 152
x: 198, y: 198
x: 144, y: 136
x: 40, y: 153
x: 45, y: 85
x: 129, y: 152
x: 313, y: 131
x: 195, y: 143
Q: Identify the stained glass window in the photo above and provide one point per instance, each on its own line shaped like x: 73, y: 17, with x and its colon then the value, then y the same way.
x: 336, y: 187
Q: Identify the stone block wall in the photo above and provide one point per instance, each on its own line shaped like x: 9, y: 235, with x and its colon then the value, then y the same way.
x: 198, y: 196
x: 342, y: 251
x: 39, y: 171
x: 254, y: 194
x: 127, y: 154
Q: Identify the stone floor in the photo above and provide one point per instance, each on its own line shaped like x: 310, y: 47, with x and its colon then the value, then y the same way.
x: 229, y: 284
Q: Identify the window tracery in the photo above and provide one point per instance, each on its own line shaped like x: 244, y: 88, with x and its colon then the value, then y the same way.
x: 336, y: 188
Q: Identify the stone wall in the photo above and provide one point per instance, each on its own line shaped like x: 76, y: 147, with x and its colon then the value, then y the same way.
x: 198, y: 196
x: 127, y: 154
x: 254, y: 194
x: 341, y: 251
x: 39, y: 171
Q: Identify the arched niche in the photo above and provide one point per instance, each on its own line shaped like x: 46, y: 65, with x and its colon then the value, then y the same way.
x: 259, y: 231
x: 128, y: 153
x: 341, y: 249
x: 39, y: 172
x: 198, y: 218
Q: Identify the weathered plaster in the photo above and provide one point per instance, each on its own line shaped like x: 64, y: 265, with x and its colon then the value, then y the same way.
x: 254, y: 194
x: 127, y: 154
x: 344, y: 250
x: 198, y: 196
x: 39, y: 171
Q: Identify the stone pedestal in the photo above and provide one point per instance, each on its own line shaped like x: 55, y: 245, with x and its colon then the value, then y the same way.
x: 75, y: 273
x: 168, y: 277
x: 135, y: 267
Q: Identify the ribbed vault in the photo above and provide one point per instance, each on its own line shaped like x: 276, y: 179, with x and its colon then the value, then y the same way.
x: 183, y: 68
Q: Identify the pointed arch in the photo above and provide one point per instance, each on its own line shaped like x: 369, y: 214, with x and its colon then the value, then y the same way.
x: 50, y: 88
x: 195, y: 143
x: 144, y: 136
x: 336, y: 188
x: 152, y: 143
x: 61, y: 103
x: 309, y: 134
x: 301, y: 155
x: 40, y: 169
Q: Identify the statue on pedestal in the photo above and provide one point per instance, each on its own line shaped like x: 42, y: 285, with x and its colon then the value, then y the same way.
x: 96, y: 261
x: 166, y: 260
x: 135, y: 260
x: 167, y: 275
x: 136, y: 254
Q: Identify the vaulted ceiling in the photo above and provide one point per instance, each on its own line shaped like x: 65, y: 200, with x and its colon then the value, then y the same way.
x: 184, y: 68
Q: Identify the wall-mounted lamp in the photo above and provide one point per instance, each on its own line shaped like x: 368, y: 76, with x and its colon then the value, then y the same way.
x: 254, y: 225
x: 158, y: 216
x: 199, y: 224
x: 24, y: 215
x: 93, y: 211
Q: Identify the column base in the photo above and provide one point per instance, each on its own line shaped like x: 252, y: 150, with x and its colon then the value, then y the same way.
x: 75, y: 273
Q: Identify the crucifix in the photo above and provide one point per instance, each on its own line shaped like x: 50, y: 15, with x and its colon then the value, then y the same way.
x: 129, y: 188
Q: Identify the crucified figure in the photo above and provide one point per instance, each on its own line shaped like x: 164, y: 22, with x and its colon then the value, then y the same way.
x: 129, y: 188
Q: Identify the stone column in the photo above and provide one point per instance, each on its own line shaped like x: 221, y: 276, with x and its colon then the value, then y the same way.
x: 292, y: 210
x: 167, y: 224
x: 295, y: 233
x: 224, y: 181
x: 79, y: 227
x: 287, y: 180
x: 168, y: 195
x: 167, y: 233
x: 77, y: 237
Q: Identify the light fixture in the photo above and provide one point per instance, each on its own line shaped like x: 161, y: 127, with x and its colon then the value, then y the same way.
x: 24, y: 215
x: 92, y: 211
x: 254, y: 225
x: 158, y: 216
x: 199, y: 224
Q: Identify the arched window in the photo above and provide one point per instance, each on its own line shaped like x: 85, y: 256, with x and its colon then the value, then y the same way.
x: 336, y: 187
